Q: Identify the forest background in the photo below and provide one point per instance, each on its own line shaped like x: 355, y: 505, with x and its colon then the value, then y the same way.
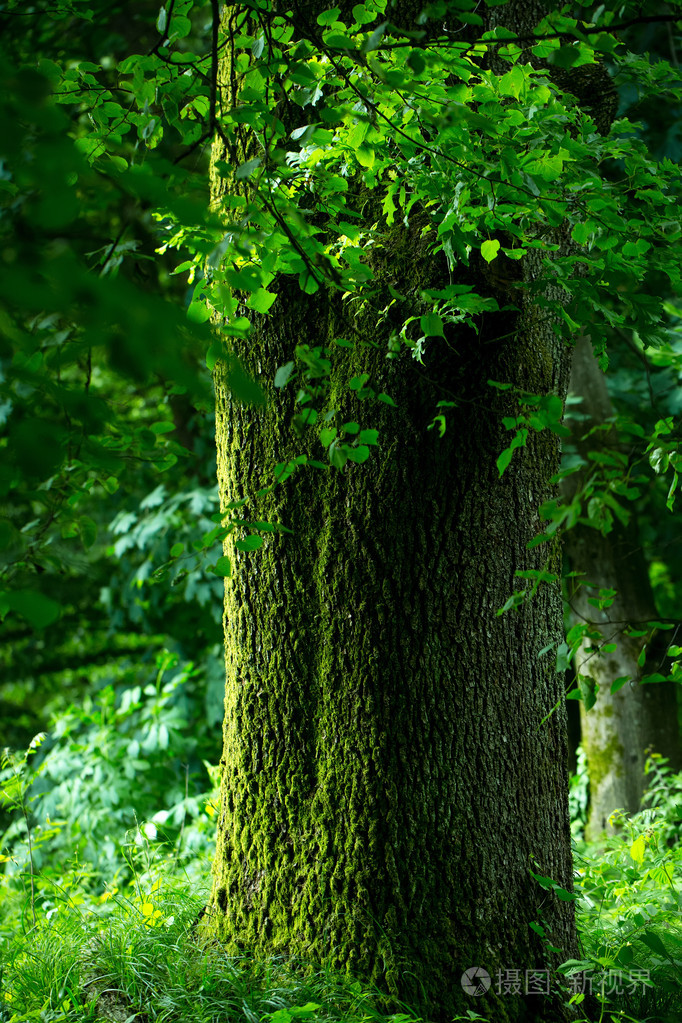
x: 112, y: 581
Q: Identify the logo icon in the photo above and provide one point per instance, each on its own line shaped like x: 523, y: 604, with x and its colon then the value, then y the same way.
x: 476, y: 981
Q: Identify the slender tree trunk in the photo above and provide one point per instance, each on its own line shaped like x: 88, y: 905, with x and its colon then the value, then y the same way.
x: 622, y: 727
x: 395, y: 750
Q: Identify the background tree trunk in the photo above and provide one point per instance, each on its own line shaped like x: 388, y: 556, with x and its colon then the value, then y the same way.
x: 621, y: 727
x: 395, y: 755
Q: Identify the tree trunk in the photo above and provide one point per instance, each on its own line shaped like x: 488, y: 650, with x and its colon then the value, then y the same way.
x: 622, y: 727
x: 392, y: 768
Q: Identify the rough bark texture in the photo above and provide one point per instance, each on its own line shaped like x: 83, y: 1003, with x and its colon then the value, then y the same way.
x: 622, y: 727
x: 389, y: 777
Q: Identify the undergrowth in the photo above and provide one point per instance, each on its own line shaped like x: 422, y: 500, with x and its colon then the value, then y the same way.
x: 106, y: 931
x: 140, y: 960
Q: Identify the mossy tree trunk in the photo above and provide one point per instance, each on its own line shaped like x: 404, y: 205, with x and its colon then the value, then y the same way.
x: 392, y: 768
x: 622, y: 727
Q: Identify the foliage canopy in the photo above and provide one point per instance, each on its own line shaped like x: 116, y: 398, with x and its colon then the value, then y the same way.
x: 469, y: 135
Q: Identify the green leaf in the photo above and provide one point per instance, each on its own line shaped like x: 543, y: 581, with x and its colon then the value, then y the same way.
x: 198, y: 312
x: 489, y: 249
x: 581, y: 233
x: 432, y: 324
x: 513, y: 82
x: 369, y: 437
x: 359, y: 454
x: 504, y: 459
x: 307, y: 283
x: 337, y: 455
x: 388, y: 206
x: 214, y: 353
x: 636, y: 248
x: 176, y: 550
x: 303, y: 1010
x: 244, y: 387
x: 245, y: 170
x: 266, y: 527
x: 329, y: 16
x: 563, y: 657
x: 548, y: 167
x: 261, y: 300
x: 363, y: 15
x: 250, y: 543
x: 283, y: 373
x: 566, y: 56
x: 518, y: 441
x: 181, y: 26
x: 88, y: 531
x: 545, y: 882
x: 619, y: 682
x: 339, y: 41
x: 365, y: 156
x: 670, y: 500
x: 223, y: 566
x: 416, y: 61
x: 637, y: 851
x: 653, y: 678
x: 328, y: 435
x: 659, y: 460
x: 588, y: 690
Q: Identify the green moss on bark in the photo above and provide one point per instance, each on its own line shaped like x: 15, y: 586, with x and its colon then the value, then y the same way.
x: 387, y: 783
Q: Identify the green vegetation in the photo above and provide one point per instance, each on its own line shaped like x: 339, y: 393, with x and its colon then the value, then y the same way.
x: 107, y: 929
x: 336, y: 220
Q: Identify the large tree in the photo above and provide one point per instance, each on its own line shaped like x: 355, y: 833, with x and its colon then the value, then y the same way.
x: 394, y: 766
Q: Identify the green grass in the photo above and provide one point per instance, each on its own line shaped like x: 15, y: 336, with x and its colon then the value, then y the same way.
x: 134, y: 955
x: 69, y: 953
x: 142, y: 959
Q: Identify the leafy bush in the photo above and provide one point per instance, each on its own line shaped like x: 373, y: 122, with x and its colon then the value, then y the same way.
x: 629, y: 912
x: 107, y: 858
x: 664, y: 794
x: 125, y: 768
x: 143, y: 535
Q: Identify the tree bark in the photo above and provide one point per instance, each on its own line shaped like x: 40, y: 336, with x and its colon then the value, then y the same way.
x: 622, y: 727
x: 395, y: 754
